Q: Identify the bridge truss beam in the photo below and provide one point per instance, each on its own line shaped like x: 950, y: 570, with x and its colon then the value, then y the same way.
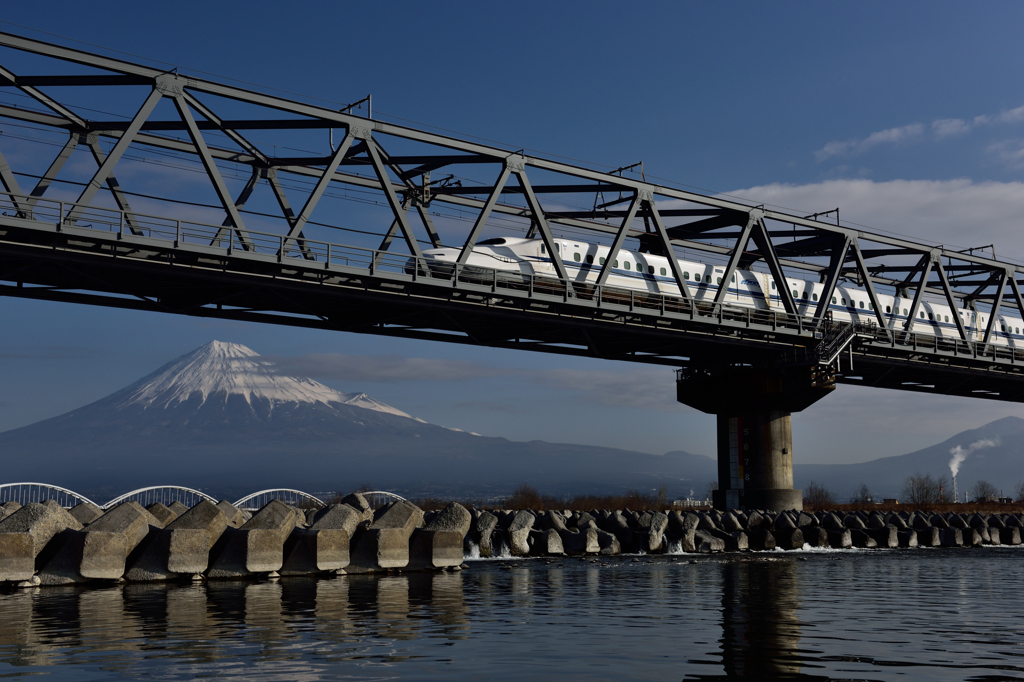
x: 222, y: 129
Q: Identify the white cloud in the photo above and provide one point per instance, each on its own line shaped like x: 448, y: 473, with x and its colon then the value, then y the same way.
x: 382, y: 368
x: 945, y: 127
x: 1008, y: 152
x: 893, y: 135
x: 889, y: 136
x: 640, y: 387
x: 941, y: 128
x: 834, y: 149
x: 1012, y: 115
x: 956, y: 213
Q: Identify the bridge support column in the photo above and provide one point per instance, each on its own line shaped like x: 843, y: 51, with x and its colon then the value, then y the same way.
x: 755, y: 436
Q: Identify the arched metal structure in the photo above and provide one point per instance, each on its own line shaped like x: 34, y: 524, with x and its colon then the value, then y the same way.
x: 165, y: 494
x: 24, y: 493
x: 296, y: 498
x: 379, y: 498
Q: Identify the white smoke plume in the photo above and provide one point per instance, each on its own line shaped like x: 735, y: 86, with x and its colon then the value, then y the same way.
x: 960, y: 454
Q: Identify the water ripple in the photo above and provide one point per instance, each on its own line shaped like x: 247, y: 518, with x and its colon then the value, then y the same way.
x: 911, y: 615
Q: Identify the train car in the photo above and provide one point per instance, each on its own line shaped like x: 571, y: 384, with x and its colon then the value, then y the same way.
x: 651, y: 273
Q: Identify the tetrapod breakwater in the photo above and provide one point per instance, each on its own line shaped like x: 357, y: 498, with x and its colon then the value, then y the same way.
x: 42, y: 543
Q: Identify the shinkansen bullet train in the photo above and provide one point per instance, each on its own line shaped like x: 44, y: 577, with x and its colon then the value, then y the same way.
x: 748, y: 289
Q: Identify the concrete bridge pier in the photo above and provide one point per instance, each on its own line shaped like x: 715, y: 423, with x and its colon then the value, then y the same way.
x: 755, y: 436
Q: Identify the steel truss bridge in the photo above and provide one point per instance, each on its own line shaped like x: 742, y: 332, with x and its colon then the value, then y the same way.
x: 380, y: 192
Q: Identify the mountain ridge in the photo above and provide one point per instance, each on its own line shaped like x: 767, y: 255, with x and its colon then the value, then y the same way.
x: 239, y: 425
x: 222, y: 417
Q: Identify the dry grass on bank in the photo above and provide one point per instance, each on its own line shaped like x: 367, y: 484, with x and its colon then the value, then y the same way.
x: 944, y: 507
x: 526, y: 497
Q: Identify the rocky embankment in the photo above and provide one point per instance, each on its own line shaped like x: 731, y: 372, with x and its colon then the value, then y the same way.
x: 45, y: 544
x: 612, y: 532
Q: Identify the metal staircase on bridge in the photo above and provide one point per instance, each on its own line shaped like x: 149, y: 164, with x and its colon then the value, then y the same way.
x: 838, y: 336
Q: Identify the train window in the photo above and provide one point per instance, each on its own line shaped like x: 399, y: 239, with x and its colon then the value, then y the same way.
x: 862, y: 304
x: 590, y: 259
x: 888, y: 309
x: 734, y: 278
x: 1017, y: 330
x: 871, y: 306
x: 686, y: 275
x: 615, y: 264
x: 906, y: 312
x: 833, y: 300
x: 543, y: 249
x: 602, y: 260
x: 663, y: 273
x: 576, y: 257
x: 650, y: 270
x: 921, y: 314
x: 773, y: 286
x: 947, y: 317
x: 814, y: 297
x: 719, y: 280
x: 626, y: 265
x: 844, y: 301
x: 707, y: 278
x: 639, y: 267
x: 795, y: 295
x: 931, y: 317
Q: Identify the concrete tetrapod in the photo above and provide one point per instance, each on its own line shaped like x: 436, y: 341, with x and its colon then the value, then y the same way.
x: 546, y: 543
x: 182, y: 548
x: 25, y: 534
x: 483, y: 531
x: 519, y: 533
x: 385, y: 543
x: 324, y: 546
x: 8, y: 508
x: 439, y: 544
x: 99, y: 552
x: 162, y: 512
x: 580, y: 540
x: 177, y: 507
x: 86, y: 512
x: 256, y: 547
x: 235, y: 516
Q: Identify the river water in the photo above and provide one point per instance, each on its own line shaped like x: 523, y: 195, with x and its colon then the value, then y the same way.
x: 925, y: 614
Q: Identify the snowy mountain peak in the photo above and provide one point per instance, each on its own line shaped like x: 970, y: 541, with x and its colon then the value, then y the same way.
x: 218, y: 370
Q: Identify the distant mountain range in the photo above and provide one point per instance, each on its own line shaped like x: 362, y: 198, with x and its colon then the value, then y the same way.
x: 224, y: 420
x: 997, y: 457
x: 227, y: 421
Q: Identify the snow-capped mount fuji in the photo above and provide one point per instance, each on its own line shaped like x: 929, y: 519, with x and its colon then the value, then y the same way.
x: 226, y: 420
x: 219, y: 372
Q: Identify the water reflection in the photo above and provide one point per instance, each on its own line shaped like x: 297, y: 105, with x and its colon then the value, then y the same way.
x: 760, y: 627
x: 928, y: 615
x: 207, y: 623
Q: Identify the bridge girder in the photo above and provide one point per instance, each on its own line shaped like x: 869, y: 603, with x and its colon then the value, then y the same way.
x: 399, y: 161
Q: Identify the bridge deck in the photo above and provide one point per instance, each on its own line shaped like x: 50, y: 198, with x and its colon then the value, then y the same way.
x: 170, y: 266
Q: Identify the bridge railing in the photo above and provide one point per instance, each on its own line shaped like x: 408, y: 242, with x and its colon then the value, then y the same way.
x: 25, y: 493
x: 164, y: 494
x: 296, y: 498
x: 221, y: 239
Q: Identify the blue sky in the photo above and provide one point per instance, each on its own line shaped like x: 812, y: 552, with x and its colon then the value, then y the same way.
x: 907, y: 116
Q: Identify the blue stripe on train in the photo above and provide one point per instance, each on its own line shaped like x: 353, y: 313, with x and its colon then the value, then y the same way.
x: 632, y: 274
